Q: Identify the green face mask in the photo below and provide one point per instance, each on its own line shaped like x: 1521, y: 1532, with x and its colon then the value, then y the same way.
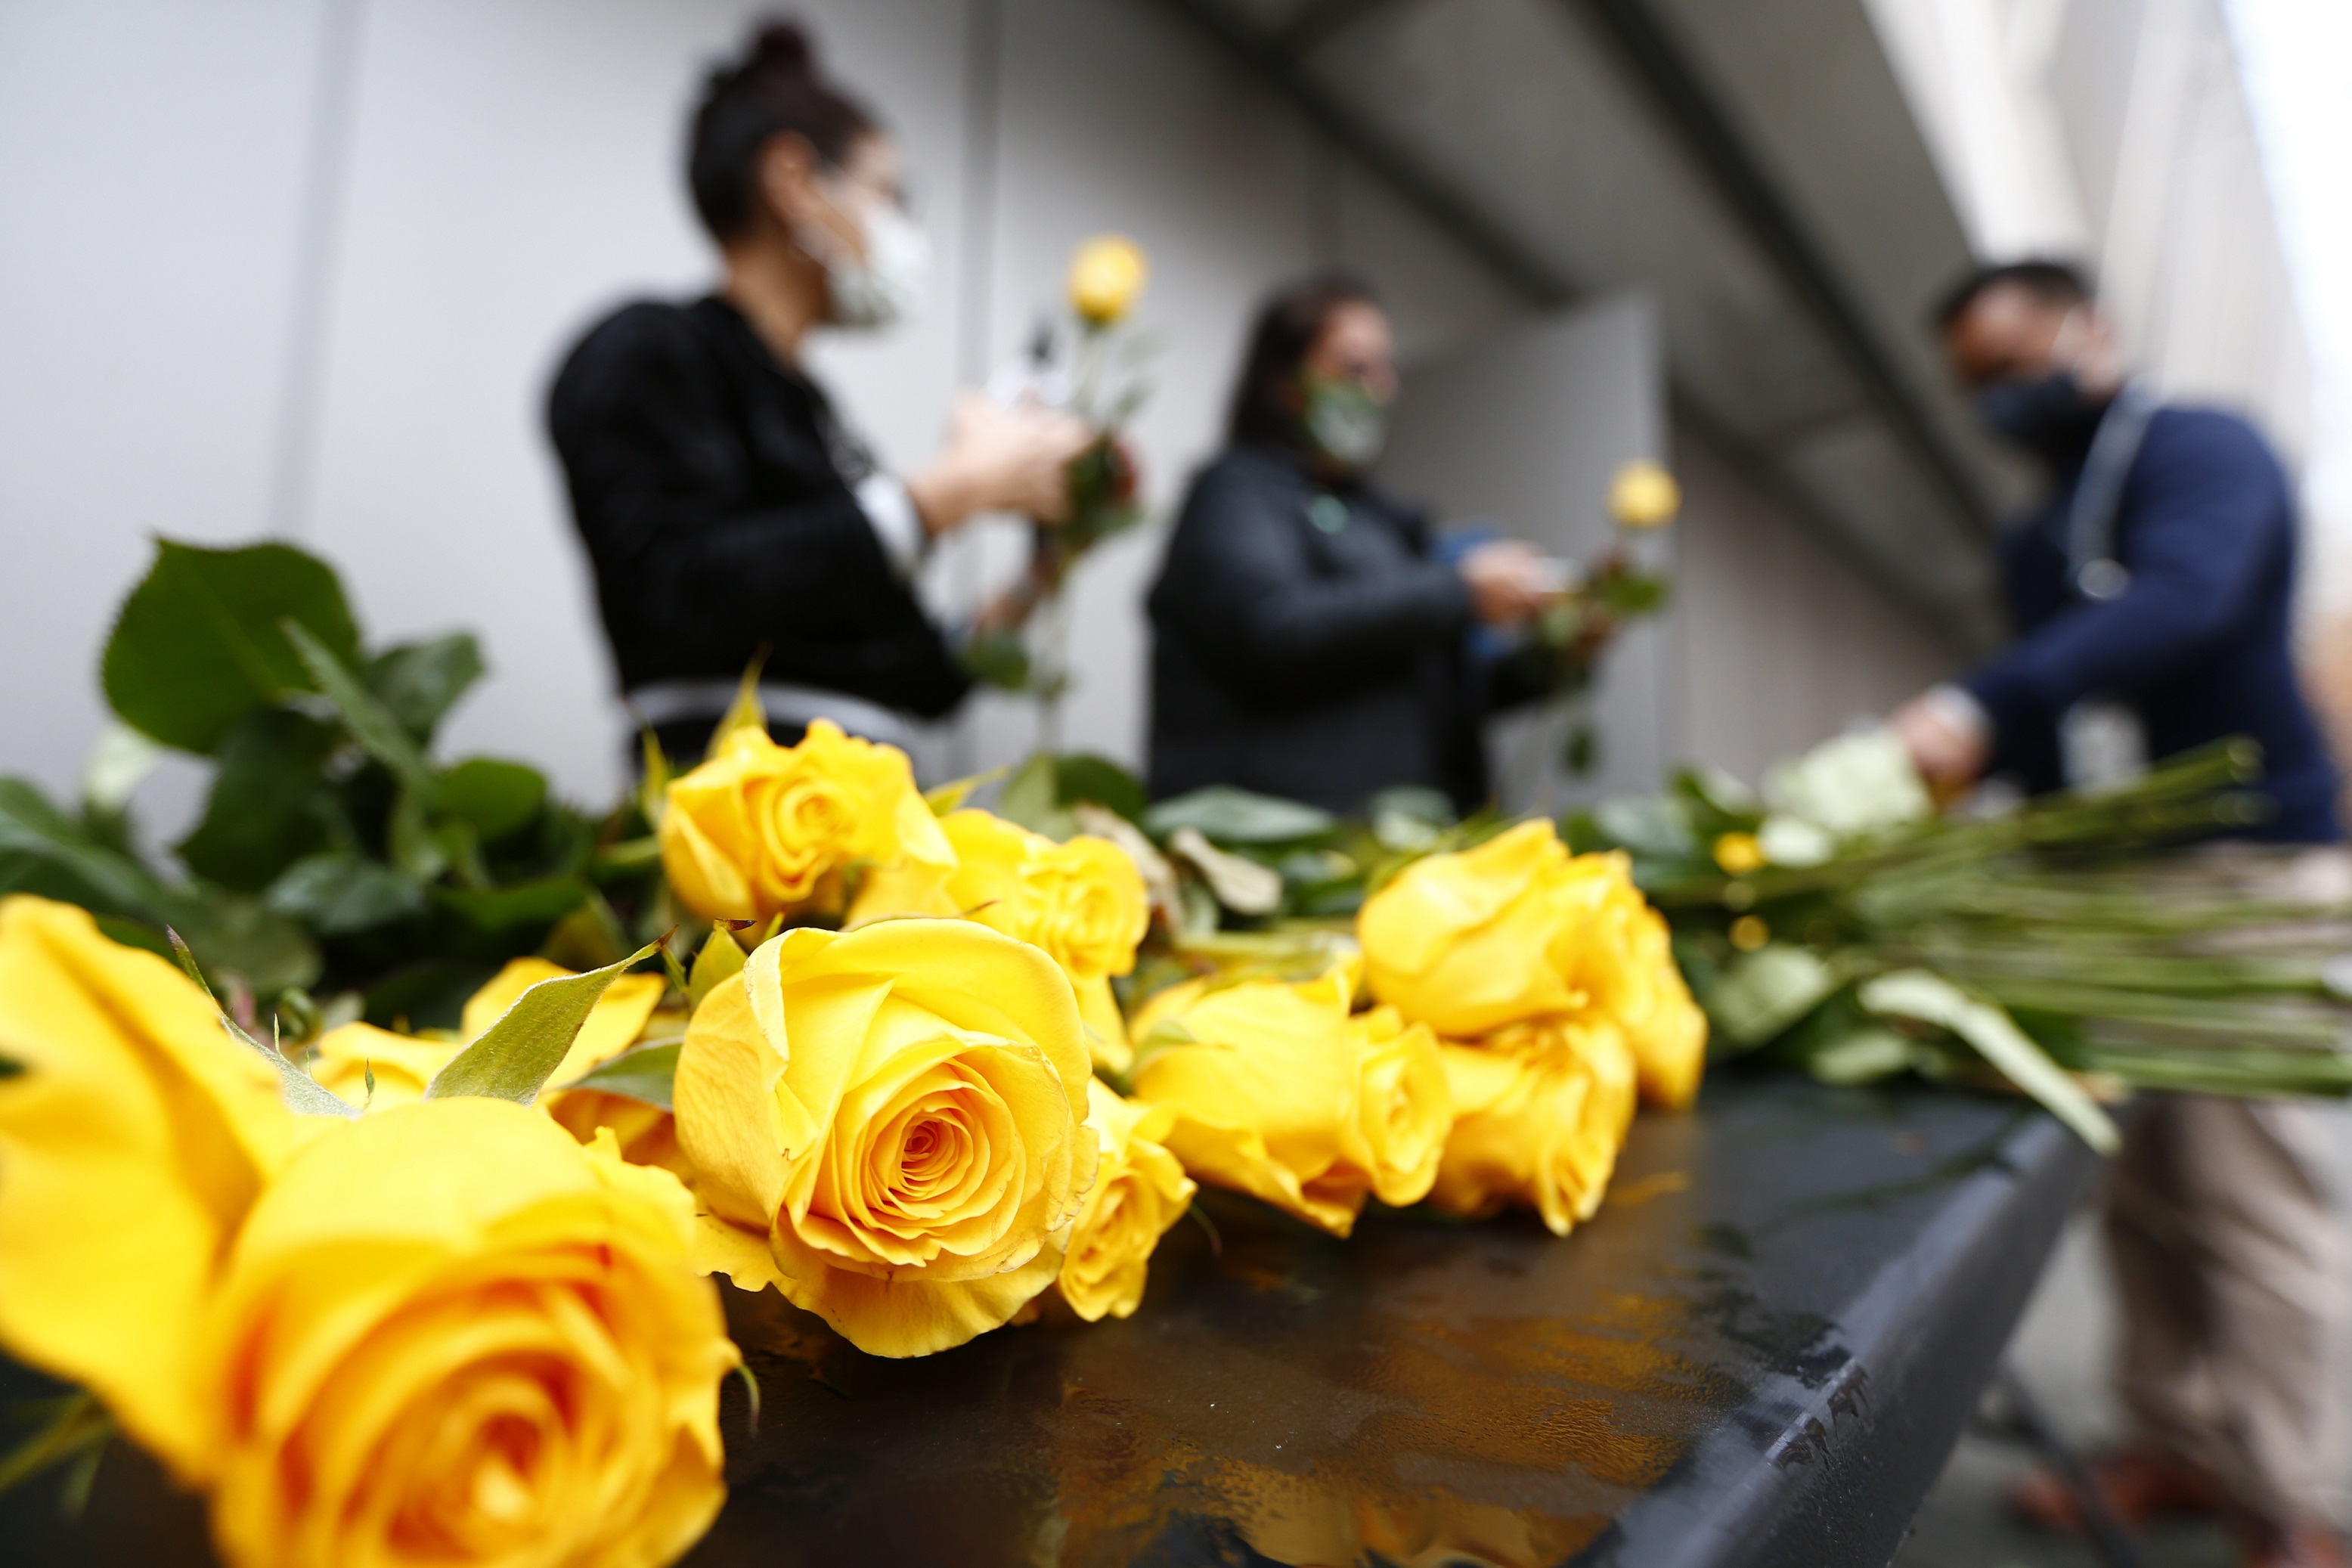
x: 1346, y: 421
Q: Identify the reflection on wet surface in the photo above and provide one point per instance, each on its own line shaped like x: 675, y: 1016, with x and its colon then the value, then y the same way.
x: 1428, y: 1393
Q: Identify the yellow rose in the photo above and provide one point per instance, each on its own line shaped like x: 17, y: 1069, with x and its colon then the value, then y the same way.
x: 644, y: 1134
x: 1519, y: 929
x: 1630, y: 971
x: 1643, y: 494
x: 1107, y: 276
x: 1403, y: 1107
x: 762, y: 829
x: 1139, y: 1191
x: 403, y: 1064
x: 889, y: 1125
x: 134, y: 1136
x: 1469, y: 941
x: 1276, y: 1091
x: 1540, y: 1110
x: 1083, y: 902
x: 450, y: 1334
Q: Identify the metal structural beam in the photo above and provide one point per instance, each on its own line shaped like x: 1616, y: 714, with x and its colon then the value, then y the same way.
x: 1545, y: 286
x: 1320, y: 21
x: 1695, y: 114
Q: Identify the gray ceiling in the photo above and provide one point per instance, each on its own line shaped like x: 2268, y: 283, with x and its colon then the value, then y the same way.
x: 1752, y: 165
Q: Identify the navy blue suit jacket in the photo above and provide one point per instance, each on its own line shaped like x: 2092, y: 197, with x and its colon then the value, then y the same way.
x: 2196, y: 645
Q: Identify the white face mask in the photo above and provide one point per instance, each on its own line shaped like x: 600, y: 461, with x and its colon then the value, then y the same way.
x: 888, y: 285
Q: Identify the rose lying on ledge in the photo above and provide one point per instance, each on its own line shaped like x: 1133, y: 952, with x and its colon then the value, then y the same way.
x: 1275, y: 1089
x: 1519, y: 930
x: 889, y: 1125
x: 446, y: 1333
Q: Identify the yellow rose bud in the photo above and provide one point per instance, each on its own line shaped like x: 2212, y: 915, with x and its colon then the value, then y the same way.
x: 1466, y: 943
x: 1403, y: 1110
x: 1107, y: 276
x: 889, y: 1125
x: 134, y: 1136
x: 1083, y: 902
x: 1738, y: 854
x: 450, y: 1334
x: 1277, y: 1092
x: 1540, y: 1110
x: 762, y: 829
x: 1516, y: 930
x: 1139, y: 1191
x: 1634, y: 978
x: 1644, y: 495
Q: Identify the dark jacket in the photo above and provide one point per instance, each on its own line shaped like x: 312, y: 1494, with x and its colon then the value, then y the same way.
x: 2198, y: 644
x: 1306, y: 644
x: 712, y: 486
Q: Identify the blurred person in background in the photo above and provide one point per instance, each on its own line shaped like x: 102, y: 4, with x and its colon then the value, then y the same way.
x: 1310, y: 639
x: 724, y: 507
x: 2158, y: 574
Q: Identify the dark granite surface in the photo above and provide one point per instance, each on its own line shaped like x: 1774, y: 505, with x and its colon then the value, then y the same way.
x: 1759, y: 1353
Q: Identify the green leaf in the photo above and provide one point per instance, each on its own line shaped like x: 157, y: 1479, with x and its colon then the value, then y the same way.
x: 72, y: 864
x: 1931, y: 999
x: 420, y: 682
x: 521, y: 913
x: 950, y: 795
x: 415, y: 850
x: 1033, y: 798
x: 371, y: 723
x: 745, y: 712
x: 998, y: 658
x: 589, y: 937
x: 1864, y: 1056
x: 721, y: 956
x: 1648, y: 826
x: 340, y: 891
x: 642, y: 1073
x: 236, y: 934
x: 430, y: 994
x: 497, y: 798
x: 513, y: 1057
x: 1228, y: 816
x: 1080, y: 776
x: 69, y: 1426
x: 258, y: 819
x: 198, y: 645
x: 1766, y: 990
x: 653, y: 787
x: 302, y: 1094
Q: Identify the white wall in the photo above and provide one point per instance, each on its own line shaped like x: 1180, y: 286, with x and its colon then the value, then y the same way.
x: 508, y: 171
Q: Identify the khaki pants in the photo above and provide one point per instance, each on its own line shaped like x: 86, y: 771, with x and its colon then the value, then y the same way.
x: 2230, y: 1264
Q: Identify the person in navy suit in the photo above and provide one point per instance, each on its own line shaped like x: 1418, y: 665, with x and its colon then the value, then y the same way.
x: 2156, y: 581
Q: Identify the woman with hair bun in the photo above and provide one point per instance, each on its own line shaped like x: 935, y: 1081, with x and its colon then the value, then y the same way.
x: 724, y: 507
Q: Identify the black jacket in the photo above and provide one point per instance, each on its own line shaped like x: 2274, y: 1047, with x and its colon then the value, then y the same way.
x: 713, y: 486
x: 1306, y: 644
x: 2200, y: 644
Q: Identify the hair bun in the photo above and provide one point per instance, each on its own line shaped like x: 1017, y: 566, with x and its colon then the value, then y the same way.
x: 782, y: 46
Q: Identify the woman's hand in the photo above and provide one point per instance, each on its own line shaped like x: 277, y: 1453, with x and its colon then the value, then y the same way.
x: 1000, y: 459
x: 1509, y: 582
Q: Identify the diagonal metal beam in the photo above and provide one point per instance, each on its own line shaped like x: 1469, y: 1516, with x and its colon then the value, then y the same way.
x: 1545, y: 286
x: 1697, y: 115
x: 1320, y: 21
x: 1266, y: 57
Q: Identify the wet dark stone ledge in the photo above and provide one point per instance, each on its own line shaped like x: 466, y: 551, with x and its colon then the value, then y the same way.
x: 1759, y: 1352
